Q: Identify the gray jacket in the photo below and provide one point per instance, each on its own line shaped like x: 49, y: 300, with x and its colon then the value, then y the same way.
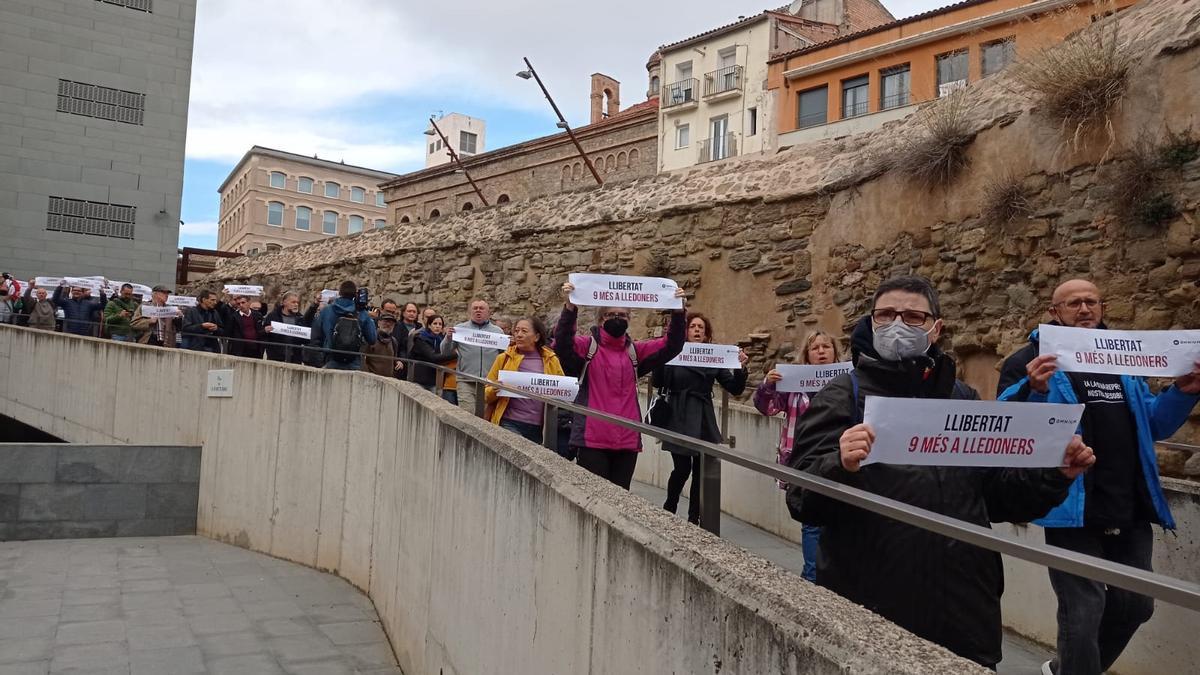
x: 473, y: 360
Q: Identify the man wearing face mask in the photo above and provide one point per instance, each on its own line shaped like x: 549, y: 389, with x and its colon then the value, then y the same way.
x: 613, y: 362
x: 938, y: 588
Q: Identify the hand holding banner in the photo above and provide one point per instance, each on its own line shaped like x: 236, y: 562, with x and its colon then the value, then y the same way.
x: 47, y: 282
x: 288, y: 329
x: 558, y: 387
x: 327, y: 296
x: 1141, y: 353
x: 808, y: 378
x: 251, y: 291
x: 613, y: 290
x: 705, y: 355
x: 156, y: 312
x: 941, y: 432
x: 481, y: 338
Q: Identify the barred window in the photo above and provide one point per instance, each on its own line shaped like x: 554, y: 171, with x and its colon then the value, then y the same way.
x: 140, y: 5
x: 90, y: 100
x: 95, y: 218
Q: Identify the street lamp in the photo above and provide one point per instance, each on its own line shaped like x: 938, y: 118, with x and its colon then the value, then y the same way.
x: 529, y: 72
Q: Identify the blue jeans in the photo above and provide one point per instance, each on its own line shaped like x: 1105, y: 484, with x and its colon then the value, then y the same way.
x: 448, y: 395
x: 531, y: 432
x: 338, y: 365
x: 810, y: 544
x: 123, y: 338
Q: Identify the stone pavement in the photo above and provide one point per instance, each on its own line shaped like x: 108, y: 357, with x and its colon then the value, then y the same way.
x: 177, y: 606
x: 1021, y: 656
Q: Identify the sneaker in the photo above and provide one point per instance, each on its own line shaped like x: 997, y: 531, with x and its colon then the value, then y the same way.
x: 1048, y: 668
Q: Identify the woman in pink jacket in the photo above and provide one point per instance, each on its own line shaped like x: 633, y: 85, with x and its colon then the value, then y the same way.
x: 612, y: 364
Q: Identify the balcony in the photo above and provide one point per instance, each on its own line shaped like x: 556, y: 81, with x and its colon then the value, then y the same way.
x: 894, y: 101
x: 715, y: 149
x: 723, y: 83
x: 680, y: 95
x: 854, y: 109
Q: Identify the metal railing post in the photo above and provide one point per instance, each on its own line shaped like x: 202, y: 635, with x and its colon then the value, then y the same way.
x: 480, y: 396
x: 550, y: 428
x: 725, y: 415
x: 710, y: 493
x: 439, y: 382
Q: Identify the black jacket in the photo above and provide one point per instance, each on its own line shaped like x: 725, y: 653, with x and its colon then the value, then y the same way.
x: 938, y: 588
x: 195, y: 337
x: 285, y: 347
x: 423, y: 350
x: 689, y: 393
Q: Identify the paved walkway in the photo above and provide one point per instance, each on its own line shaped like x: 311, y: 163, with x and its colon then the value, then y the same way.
x: 178, y: 606
x: 1021, y: 657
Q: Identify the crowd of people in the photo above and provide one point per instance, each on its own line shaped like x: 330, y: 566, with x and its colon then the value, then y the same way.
x: 1102, y: 501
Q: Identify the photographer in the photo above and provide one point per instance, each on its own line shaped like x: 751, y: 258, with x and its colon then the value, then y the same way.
x: 344, y: 327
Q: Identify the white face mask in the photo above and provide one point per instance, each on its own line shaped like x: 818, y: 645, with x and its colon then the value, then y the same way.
x: 898, y: 340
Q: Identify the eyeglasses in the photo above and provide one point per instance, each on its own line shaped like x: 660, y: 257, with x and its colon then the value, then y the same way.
x: 910, y: 317
x: 1075, y: 304
x: 615, y: 315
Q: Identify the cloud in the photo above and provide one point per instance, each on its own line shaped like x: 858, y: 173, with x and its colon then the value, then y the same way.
x: 202, y: 229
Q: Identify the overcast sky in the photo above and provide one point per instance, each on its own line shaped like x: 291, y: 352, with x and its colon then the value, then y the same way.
x: 355, y: 80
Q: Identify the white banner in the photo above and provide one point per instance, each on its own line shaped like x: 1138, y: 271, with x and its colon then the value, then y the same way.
x: 142, y: 290
x: 808, y: 378
x: 704, y: 355
x: 84, y: 282
x: 290, y: 330
x: 327, y: 296
x: 612, y: 290
x: 252, y: 291
x: 941, y: 432
x: 1143, y: 353
x: 47, y: 282
x: 155, y: 312
x: 181, y: 301
x: 558, y: 387
x: 481, y: 338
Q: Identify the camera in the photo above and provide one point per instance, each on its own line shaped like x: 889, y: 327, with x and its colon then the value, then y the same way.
x: 363, y: 299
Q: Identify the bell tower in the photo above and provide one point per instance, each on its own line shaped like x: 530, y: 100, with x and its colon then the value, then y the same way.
x: 606, y: 97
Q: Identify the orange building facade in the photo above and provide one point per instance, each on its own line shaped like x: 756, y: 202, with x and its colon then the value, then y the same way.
x: 859, y: 81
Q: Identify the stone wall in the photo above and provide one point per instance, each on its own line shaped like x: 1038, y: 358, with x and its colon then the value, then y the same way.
x: 60, y: 491
x: 772, y: 247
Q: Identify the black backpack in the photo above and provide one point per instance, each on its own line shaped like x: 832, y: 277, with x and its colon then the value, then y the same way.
x: 347, y: 337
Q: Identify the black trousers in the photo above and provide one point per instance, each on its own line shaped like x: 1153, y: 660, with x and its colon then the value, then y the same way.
x: 685, y: 466
x: 615, y: 465
x: 1096, y: 621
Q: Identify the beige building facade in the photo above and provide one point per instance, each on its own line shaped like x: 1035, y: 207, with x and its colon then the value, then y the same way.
x: 274, y: 199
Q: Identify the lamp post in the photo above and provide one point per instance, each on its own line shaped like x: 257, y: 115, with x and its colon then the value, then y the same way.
x: 529, y: 72
x: 454, y: 156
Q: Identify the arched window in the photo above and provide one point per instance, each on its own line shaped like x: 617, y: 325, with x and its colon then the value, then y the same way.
x: 358, y: 195
x: 435, y: 213
x: 303, y: 218
x: 275, y: 213
x: 380, y: 223
x: 622, y: 160
x: 467, y: 206
x: 598, y: 162
x: 502, y: 199
x: 333, y: 190
x: 379, y: 200
x: 329, y: 222
x: 404, y: 220
x: 355, y: 225
x: 274, y: 247
x: 610, y: 164
x: 567, y: 172
x: 305, y: 185
x: 278, y: 180
x: 577, y: 170
x: 633, y: 156
x: 654, y: 86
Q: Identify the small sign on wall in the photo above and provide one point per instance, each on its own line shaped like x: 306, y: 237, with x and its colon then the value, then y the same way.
x: 220, y: 384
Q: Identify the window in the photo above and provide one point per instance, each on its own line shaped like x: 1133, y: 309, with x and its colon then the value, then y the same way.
x: 139, y: 5
x: 304, y: 185
x: 683, y: 134
x: 633, y: 156
x: 275, y: 214
x: 90, y: 100
x: 278, y: 180
x: 432, y: 149
x: 404, y: 220
x: 379, y: 200
x: 333, y: 190
x: 329, y: 222
x: 439, y: 144
x: 303, y: 218
x: 252, y: 252
x: 355, y: 224
x: 753, y: 113
x: 951, y: 72
x: 997, y: 55
x: 434, y: 213
x: 654, y: 86
x: 813, y: 106
x: 358, y: 195
x: 467, y: 206
x: 96, y: 218
x: 894, y: 87
x: 274, y: 247
x: 380, y: 223
x: 466, y: 141
x: 502, y: 199
x: 854, y: 96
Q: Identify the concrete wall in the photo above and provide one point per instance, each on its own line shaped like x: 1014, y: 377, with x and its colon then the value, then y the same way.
x: 61, y: 491
x: 482, y: 552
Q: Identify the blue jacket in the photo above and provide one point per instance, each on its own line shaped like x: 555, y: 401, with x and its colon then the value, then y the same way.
x: 80, y: 315
x: 1156, y: 418
x: 345, y: 307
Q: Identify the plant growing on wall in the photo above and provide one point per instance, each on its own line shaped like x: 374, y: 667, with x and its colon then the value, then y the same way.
x: 936, y: 153
x: 1139, y: 188
x: 1004, y: 200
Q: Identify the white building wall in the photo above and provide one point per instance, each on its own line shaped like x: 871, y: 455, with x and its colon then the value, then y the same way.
x: 45, y: 153
x: 452, y: 126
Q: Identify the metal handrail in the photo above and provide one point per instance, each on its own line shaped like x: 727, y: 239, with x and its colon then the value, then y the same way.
x: 718, y: 148
x: 679, y: 93
x: 1158, y: 586
x: 720, y: 81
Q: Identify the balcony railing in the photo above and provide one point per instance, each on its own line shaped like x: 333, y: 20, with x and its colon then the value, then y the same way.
x: 723, y: 80
x: 713, y: 149
x: 679, y: 93
x: 854, y: 109
x: 894, y: 101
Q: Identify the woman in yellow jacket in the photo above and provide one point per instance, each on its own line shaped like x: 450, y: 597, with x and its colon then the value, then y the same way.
x: 527, y: 353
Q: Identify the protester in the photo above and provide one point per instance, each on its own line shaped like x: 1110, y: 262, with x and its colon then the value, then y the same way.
x: 247, y: 332
x: 613, y: 364
x: 472, y: 360
x: 688, y: 397
x: 286, y: 348
x: 819, y: 349
x: 11, y: 285
x: 342, y: 328
x: 427, y: 347
x: 159, y: 332
x: 527, y: 353
x: 380, y: 358
x: 893, y: 569
x: 38, y: 311
x: 119, y: 312
x: 202, y: 327
x: 79, y: 309
x: 1109, y: 514
x: 8, y: 308
x: 428, y: 313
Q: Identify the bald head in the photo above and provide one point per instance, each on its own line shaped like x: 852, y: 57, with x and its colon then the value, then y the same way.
x: 1077, y: 303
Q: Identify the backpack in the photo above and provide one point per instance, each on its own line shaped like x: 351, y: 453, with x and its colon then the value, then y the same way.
x: 347, y: 337
x: 594, y: 345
